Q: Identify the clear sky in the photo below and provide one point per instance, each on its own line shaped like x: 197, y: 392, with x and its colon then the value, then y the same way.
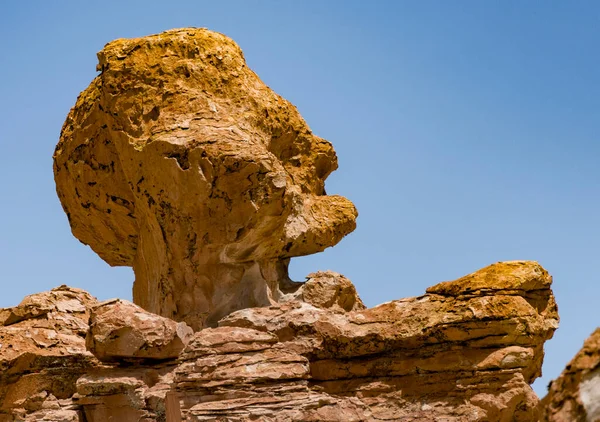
x: 467, y: 133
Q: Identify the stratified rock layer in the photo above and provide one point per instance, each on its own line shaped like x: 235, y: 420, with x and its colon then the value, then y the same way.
x: 42, y: 354
x: 467, y: 350
x: 179, y: 161
x: 575, y: 395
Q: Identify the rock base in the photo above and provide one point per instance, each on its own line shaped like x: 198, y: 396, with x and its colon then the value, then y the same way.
x: 467, y: 350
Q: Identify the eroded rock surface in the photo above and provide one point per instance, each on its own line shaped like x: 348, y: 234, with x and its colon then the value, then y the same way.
x: 42, y: 354
x: 575, y: 395
x: 330, y: 290
x: 179, y: 161
x: 122, y: 331
x: 467, y: 350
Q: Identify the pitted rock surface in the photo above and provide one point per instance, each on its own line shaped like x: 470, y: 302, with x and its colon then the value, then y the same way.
x: 179, y: 161
x: 122, y: 331
x: 467, y: 350
x: 575, y: 395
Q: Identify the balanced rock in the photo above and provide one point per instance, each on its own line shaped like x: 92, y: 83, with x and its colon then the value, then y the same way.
x: 179, y: 161
x: 575, y: 395
x: 122, y: 331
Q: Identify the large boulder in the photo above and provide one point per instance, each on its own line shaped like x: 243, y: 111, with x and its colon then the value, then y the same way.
x: 122, y: 331
x: 179, y: 161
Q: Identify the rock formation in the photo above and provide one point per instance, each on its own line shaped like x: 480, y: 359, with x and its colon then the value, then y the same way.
x: 121, y: 331
x: 467, y: 350
x: 43, y: 354
x: 575, y: 395
x: 179, y: 161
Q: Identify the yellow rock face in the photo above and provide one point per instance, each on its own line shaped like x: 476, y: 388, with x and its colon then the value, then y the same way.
x: 179, y: 161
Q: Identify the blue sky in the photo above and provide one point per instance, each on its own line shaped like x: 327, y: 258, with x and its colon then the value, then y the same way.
x: 467, y: 133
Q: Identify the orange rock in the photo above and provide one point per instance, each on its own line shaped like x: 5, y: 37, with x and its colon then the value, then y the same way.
x: 575, y: 395
x: 464, y: 355
x: 326, y: 289
x: 122, y: 331
x: 179, y: 161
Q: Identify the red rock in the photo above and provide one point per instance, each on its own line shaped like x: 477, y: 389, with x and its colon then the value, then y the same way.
x: 121, y: 330
x: 575, y: 395
x: 42, y: 353
x: 455, y: 354
x: 207, y: 188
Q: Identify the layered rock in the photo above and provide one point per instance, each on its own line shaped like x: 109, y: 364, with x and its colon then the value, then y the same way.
x: 467, y: 350
x: 131, y: 394
x: 42, y: 354
x: 575, y: 395
x: 179, y: 161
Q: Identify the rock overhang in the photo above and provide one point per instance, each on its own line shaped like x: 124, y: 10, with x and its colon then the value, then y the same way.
x: 179, y: 161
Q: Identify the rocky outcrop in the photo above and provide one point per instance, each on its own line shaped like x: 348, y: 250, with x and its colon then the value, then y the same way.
x: 179, y: 161
x: 575, y: 395
x: 42, y: 354
x: 467, y: 350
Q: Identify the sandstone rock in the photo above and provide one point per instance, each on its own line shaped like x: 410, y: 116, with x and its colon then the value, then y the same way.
x: 436, y: 357
x: 466, y: 351
x: 575, y: 395
x: 122, y: 331
x: 127, y: 395
x: 42, y: 353
x: 326, y: 289
x: 179, y: 161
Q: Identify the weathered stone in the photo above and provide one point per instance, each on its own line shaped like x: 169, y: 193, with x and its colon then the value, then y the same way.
x: 120, y: 330
x: 138, y: 393
x: 326, y: 289
x: 455, y: 357
x: 179, y: 161
x: 466, y: 351
x: 42, y: 353
x: 575, y: 395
